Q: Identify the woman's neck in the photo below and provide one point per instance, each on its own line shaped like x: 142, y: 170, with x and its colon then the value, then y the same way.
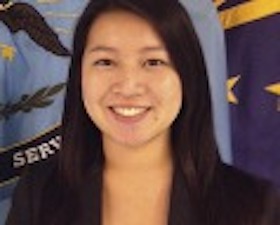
x: 131, y: 160
x: 137, y: 185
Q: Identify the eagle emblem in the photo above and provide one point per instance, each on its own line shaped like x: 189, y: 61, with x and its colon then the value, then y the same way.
x: 24, y: 17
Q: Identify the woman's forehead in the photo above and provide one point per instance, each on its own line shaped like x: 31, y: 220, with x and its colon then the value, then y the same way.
x: 115, y: 28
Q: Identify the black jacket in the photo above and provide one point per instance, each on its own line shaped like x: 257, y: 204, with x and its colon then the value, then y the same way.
x: 234, y: 198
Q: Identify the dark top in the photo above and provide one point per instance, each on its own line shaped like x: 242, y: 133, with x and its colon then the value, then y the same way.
x: 239, y: 199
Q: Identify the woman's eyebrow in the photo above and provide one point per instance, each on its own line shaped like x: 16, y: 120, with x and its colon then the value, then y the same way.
x: 101, y: 48
x: 109, y: 49
x: 152, y: 48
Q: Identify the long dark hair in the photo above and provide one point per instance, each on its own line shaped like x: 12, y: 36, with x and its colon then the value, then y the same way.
x: 194, y: 146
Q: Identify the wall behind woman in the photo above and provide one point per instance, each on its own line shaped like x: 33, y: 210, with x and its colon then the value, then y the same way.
x: 211, y: 35
x: 34, y: 57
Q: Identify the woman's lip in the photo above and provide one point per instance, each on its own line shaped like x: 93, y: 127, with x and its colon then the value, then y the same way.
x: 129, y: 114
x: 129, y: 111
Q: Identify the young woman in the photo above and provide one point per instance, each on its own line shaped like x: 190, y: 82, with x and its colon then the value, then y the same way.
x: 137, y: 141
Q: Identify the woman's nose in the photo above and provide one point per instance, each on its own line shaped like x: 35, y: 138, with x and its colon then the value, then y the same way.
x: 129, y: 83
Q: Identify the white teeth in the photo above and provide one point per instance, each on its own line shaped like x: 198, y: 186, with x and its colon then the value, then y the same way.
x: 129, y: 111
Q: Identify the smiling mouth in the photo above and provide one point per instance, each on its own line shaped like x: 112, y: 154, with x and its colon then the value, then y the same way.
x: 130, y: 111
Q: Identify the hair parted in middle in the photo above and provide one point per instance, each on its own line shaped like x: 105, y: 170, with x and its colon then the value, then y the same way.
x: 193, y: 142
x: 194, y: 148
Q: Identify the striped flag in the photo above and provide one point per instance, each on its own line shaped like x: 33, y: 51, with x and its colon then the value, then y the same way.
x: 253, y: 42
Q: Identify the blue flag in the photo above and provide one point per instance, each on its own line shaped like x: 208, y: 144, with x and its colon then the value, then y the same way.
x: 34, y: 57
x: 252, y: 36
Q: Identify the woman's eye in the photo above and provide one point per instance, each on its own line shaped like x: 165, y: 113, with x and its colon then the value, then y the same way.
x: 104, y: 62
x: 154, y: 62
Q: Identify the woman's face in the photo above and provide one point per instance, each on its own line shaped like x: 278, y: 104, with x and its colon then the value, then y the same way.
x: 130, y: 89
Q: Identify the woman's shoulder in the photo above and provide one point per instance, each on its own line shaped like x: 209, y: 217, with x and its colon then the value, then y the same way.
x: 234, y: 176
x: 35, y: 178
x: 29, y: 191
x: 234, y: 180
x: 39, y: 172
x: 248, y: 194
